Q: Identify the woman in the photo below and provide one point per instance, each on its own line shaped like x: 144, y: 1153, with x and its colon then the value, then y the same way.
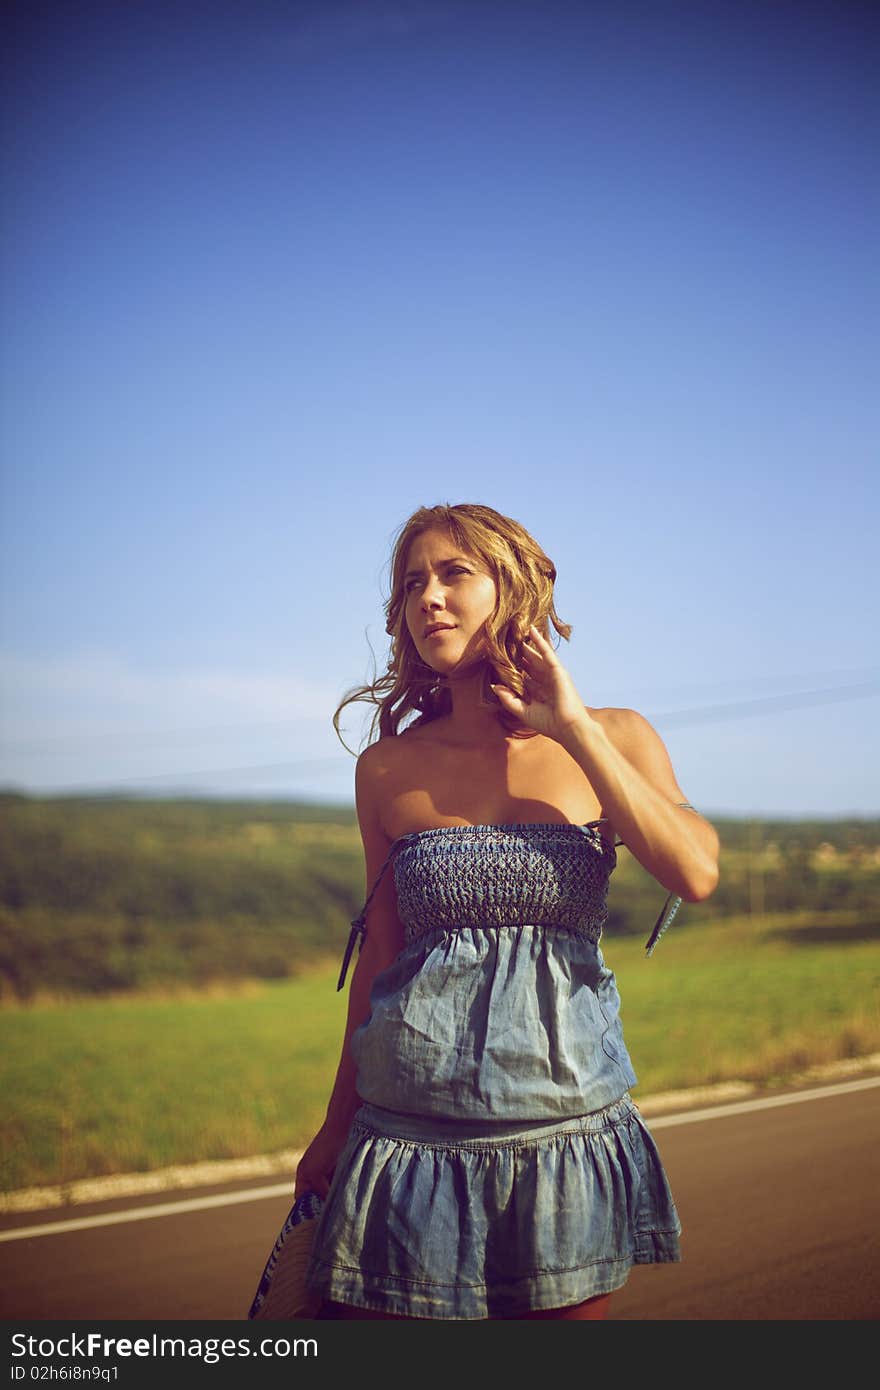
x: 481, y: 1157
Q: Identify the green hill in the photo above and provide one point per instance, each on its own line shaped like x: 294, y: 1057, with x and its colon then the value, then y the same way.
x: 108, y: 894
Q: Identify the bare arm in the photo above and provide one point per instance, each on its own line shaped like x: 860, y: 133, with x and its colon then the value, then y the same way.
x: 628, y: 765
x: 381, y: 946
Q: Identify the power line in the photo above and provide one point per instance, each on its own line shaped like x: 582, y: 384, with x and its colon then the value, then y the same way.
x: 254, y: 770
x: 742, y: 709
x: 767, y: 704
x: 812, y: 678
x: 151, y: 738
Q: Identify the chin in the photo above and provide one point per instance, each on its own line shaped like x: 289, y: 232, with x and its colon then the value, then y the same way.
x: 463, y: 665
x: 443, y: 665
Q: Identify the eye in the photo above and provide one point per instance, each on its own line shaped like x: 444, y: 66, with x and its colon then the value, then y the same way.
x: 410, y: 585
x: 459, y: 569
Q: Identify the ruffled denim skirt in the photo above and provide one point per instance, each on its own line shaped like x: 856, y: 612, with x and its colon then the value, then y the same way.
x: 433, y: 1218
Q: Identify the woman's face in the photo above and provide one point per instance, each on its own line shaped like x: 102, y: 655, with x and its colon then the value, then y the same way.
x: 449, y: 596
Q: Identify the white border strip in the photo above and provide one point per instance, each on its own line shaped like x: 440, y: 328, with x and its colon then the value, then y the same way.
x: 743, y: 1107
x: 258, y: 1194
x: 114, y: 1218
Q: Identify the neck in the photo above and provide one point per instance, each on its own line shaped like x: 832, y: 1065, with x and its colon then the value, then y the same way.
x: 472, y: 720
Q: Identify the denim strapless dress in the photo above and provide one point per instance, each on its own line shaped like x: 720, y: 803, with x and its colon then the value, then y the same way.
x: 497, y: 1164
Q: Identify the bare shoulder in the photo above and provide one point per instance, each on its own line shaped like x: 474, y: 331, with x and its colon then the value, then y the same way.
x: 384, y: 761
x: 626, y: 728
x: 639, y: 742
x: 375, y: 763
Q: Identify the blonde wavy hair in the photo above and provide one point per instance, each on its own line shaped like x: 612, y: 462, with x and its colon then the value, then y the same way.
x: 524, y: 577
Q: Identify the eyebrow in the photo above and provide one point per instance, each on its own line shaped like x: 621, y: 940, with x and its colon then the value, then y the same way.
x: 454, y: 560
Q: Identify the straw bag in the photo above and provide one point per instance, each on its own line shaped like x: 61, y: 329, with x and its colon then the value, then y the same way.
x: 282, y: 1291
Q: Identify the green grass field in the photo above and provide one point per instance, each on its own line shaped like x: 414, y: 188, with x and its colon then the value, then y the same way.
x: 127, y: 1084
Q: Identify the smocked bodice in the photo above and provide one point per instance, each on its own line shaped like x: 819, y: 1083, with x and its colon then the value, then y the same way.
x: 500, y: 1004
x: 547, y: 875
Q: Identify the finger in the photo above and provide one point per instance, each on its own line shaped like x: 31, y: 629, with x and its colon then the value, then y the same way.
x: 540, y: 645
x: 531, y: 656
x: 507, y: 699
x: 545, y: 647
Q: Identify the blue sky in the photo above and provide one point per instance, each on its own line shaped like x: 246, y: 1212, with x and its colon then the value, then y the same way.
x: 275, y: 274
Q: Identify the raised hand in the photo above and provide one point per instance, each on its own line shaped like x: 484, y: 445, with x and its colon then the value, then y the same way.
x: 551, y: 704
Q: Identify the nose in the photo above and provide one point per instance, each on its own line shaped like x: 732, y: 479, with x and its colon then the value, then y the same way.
x: 433, y: 595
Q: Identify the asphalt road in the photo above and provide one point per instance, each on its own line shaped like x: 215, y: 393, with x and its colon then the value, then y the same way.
x: 780, y: 1207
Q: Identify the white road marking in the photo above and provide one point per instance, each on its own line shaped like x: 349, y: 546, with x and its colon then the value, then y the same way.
x: 113, y: 1218
x: 743, y: 1107
x: 258, y: 1194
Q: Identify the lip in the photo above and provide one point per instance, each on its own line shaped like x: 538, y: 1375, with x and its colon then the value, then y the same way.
x: 438, y: 627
